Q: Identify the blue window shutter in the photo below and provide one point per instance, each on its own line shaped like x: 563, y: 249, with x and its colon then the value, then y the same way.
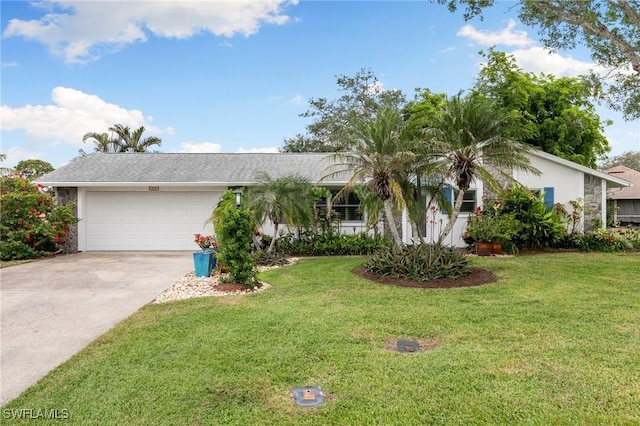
x: 548, y: 198
x: 447, y: 191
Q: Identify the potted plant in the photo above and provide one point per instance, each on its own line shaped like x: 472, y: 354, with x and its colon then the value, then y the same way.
x: 506, y: 227
x: 205, y: 260
x: 483, y: 229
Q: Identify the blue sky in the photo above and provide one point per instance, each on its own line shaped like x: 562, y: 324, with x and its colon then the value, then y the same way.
x: 209, y: 76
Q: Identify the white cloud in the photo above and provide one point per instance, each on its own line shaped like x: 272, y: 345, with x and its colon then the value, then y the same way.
x: 538, y: 59
x: 72, y: 114
x: 16, y: 154
x: 506, y: 36
x: 447, y: 50
x: 257, y: 150
x: 9, y: 64
x: 296, y: 100
x: 81, y: 31
x: 192, y: 147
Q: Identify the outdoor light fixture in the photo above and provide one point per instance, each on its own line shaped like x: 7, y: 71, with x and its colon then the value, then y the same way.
x: 238, y: 193
x: 308, y: 396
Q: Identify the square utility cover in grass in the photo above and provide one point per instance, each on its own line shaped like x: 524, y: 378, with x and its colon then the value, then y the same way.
x: 554, y: 341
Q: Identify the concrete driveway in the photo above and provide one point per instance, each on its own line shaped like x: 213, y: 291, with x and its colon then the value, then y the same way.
x: 52, y: 308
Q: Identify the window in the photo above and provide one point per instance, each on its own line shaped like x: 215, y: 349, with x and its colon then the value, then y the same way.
x: 347, y: 208
x: 548, y: 196
x: 468, y: 201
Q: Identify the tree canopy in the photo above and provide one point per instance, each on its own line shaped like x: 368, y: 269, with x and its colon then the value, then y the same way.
x: 555, y: 114
x: 122, y: 139
x: 630, y: 159
x: 361, y: 94
x: 609, y: 29
x: 33, y: 168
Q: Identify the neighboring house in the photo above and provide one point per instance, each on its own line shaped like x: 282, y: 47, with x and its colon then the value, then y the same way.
x: 140, y: 201
x: 626, y: 201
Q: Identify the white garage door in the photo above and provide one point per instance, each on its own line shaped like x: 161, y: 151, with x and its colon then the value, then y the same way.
x: 147, y: 220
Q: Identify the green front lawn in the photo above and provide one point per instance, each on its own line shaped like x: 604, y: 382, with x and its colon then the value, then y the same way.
x: 555, y: 341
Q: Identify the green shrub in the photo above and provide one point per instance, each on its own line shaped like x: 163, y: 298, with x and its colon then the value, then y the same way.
x: 603, y: 240
x: 309, y: 243
x: 30, y: 224
x: 234, y: 232
x: 632, y: 235
x: 421, y: 262
x: 540, y: 227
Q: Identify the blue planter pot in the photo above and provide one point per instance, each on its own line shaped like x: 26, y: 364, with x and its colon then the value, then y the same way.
x: 212, y: 252
x: 202, y: 263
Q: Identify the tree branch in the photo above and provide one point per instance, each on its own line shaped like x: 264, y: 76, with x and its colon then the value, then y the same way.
x: 597, y: 28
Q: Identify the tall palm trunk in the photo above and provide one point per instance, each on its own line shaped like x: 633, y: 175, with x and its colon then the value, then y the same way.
x: 454, y: 215
x: 273, y: 238
x: 388, y: 213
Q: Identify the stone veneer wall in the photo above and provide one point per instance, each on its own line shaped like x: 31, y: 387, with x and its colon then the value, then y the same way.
x: 592, y: 202
x: 64, y: 196
x: 502, y: 180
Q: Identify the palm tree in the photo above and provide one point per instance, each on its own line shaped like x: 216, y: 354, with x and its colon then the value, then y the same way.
x: 102, y: 142
x: 284, y: 200
x: 128, y: 141
x: 471, y: 139
x: 4, y: 171
x: 380, y: 157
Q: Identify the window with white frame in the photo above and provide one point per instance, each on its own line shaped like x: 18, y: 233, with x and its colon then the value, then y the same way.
x: 346, y: 208
x: 469, y: 202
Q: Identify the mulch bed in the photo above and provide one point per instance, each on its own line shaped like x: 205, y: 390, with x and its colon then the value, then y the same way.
x: 477, y: 277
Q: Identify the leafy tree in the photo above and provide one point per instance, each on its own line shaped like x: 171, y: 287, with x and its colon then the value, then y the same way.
x: 630, y: 159
x: 102, y: 141
x: 555, y: 113
x: 609, y: 29
x: 380, y: 156
x: 30, y: 224
x: 284, y: 200
x: 33, y: 169
x: 473, y: 138
x: 361, y: 95
x: 132, y: 141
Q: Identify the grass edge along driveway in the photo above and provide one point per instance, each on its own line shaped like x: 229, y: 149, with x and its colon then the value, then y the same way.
x: 555, y: 341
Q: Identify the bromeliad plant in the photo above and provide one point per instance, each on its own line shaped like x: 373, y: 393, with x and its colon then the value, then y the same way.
x: 421, y: 262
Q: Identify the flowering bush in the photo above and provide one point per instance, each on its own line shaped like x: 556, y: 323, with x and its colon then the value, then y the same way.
x: 30, y: 224
x: 205, y: 241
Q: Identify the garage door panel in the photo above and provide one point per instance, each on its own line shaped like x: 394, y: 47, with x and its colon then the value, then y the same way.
x: 147, y: 221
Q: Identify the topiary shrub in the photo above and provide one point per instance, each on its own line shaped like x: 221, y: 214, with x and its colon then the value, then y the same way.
x: 235, y: 233
x: 31, y: 225
x: 421, y: 262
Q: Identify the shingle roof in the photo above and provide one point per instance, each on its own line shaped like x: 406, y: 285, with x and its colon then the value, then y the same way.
x: 632, y: 176
x: 197, y: 168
